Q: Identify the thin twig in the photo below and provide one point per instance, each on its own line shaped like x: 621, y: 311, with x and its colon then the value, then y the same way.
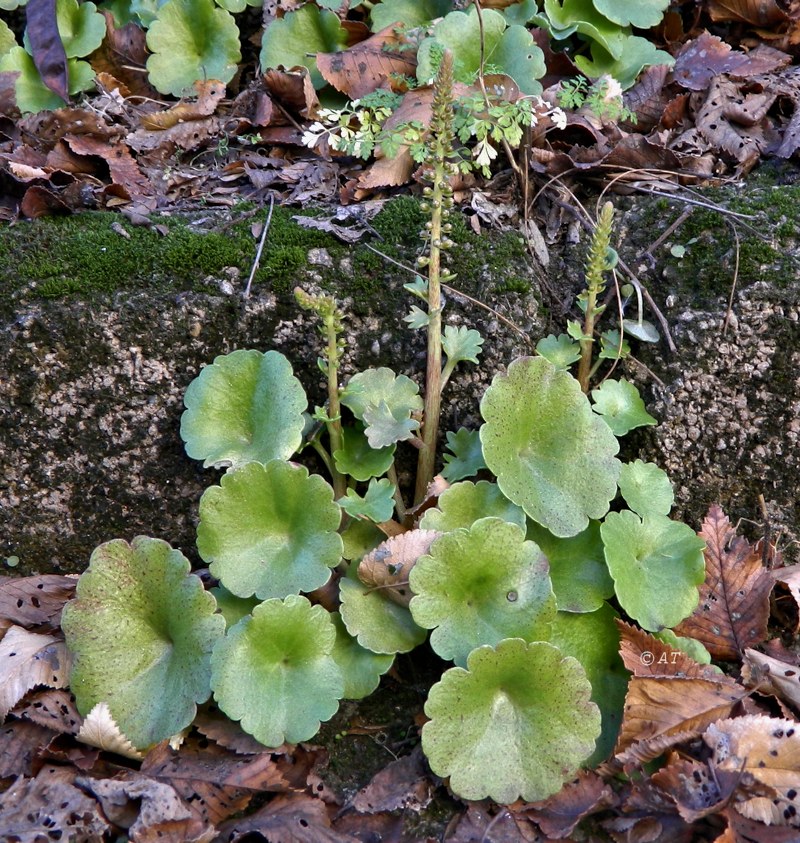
x: 261, y: 242
x: 729, y: 311
x: 648, y: 252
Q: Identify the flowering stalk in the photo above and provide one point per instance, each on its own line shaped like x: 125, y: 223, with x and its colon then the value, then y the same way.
x: 596, y: 265
x: 439, y: 200
x: 332, y: 325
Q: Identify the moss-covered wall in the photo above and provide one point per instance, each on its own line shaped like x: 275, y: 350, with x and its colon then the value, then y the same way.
x: 103, y: 325
x: 101, y: 332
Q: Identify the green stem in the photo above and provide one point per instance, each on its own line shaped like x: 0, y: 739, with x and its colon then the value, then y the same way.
x: 334, y: 424
x: 399, y: 503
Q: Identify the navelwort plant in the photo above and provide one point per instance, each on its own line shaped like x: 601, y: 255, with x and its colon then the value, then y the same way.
x: 512, y: 573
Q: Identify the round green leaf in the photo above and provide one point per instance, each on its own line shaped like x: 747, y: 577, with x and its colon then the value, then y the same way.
x: 379, y: 624
x: 246, y: 406
x: 646, y: 488
x: 551, y: 455
x: 460, y: 32
x: 191, y: 40
x: 358, y: 459
x: 411, y: 13
x: 520, y: 57
x: 480, y: 585
x: 656, y: 564
x: 81, y: 27
x: 593, y: 639
x: 517, y: 723
x: 578, y: 569
x: 270, y: 530
x: 296, y: 38
x: 624, y: 58
x: 361, y: 668
x: 7, y: 39
x: 464, y: 503
x: 359, y: 537
x: 141, y: 633
x: 275, y: 671
x: 642, y: 14
x: 621, y: 406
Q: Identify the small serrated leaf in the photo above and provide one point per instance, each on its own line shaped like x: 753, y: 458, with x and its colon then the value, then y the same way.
x: 376, y: 505
x: 466, y: 455
x: 461, y: 344
x: 561, y: 351
x: 384, y: 428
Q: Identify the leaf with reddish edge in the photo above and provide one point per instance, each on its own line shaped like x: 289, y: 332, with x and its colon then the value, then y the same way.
x: 47, y: 48
x: 734, y: 599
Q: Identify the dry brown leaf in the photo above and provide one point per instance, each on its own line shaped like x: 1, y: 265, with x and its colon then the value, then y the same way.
x: 21, y: 744
x: 734, y: 599
x: 700, y: 60
x: 558, y: 815
x: 714, y: 121
x: 287, y: 819
x: 483, y: 821
x: 52, y: 802
x: 28, y: 659
x: 124, y: 170
x: 122, y: 56
x: 769, y: 749
x: 762, y: 13
x: 151, y: 811
x: 218, y: 783
x: 699, y: 790
x: 368, y: 65
x: 35, y: 601
x: 387, y: 566
x: 401, y: 785
x: 209, y: 94
x: 645, y: 655
x: 788, y: 579
x: 660, y: 712
x: 53, y: 708
x: 772, y: 676
x: 294, y: 91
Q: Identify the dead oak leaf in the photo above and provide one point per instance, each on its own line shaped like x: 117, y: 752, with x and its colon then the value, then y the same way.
x: 734, y: 599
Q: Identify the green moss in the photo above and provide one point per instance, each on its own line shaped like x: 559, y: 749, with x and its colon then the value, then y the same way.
x: 514, y: 285
x: 400, y: 221
x: 767, y: 237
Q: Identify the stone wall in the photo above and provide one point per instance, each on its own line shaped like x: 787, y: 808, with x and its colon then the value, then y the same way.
x: 91, y: 391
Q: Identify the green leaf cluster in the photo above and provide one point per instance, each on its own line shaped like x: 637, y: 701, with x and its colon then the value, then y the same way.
x: 511, y: 577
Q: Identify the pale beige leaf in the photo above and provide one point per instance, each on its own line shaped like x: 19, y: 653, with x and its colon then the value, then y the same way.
x: 772, y: 676
x: 769, y: 749
x: 28, y: 659
x: 100, y: 730
x: 387, y: 566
